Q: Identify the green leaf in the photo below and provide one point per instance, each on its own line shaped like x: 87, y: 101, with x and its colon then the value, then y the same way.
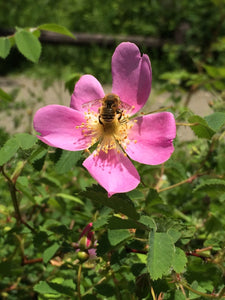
x: 160, y: 255
x: 201, y: 130
x: 67, y: 161
x: 8, y: 150
x: 117, y: 236
x: 118, y: 223
x: 71, y: 80
x: 25, y: 140
x: 43, y: 288
x: 57, y: 287
x: 215, y: 120
x: 28, y: 45
x: 119, y: 202
x: 213, y: 186
x: 70, y: 197
x: 19, y: 140
x: 50, y: 251
x: 174, y: 234
x: 56, y: 28
x: 147, y: 221
x: 4, y: 96
x: 5, y: 46
x: 179, y: 260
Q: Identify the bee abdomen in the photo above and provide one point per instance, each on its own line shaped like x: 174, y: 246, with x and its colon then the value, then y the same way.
x: 108, y: 117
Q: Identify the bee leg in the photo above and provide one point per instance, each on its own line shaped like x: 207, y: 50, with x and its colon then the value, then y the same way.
x: 120, y: 113
x: 99, y: 119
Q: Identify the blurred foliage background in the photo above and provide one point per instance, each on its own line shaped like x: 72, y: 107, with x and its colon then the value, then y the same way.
x: 192, y: 32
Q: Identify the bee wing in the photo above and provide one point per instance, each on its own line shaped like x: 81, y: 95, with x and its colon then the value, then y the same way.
x: 126, y: 107
x: 93, y: 104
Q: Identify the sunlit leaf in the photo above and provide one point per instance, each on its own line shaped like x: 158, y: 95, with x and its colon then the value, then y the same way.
x: 56, y: 28
x: 5, y: 46
x: 28, y: 45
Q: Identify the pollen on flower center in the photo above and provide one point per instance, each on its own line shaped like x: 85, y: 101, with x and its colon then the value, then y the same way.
x: 110, y: 135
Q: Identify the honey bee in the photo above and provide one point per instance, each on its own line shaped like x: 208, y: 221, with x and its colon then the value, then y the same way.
x: 109, y: 109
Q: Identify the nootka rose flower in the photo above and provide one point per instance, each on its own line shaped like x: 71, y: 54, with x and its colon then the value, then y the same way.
x: 147, y: 139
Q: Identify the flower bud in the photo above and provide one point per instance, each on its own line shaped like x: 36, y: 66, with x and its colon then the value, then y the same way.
x: 82, y: 256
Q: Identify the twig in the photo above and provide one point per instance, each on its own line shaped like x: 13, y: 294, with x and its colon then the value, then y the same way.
x: 13, y: 193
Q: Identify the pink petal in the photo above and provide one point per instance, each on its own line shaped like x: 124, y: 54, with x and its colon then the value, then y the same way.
x: 87, y: 89
x: 132, y: 75
x: 57, y: 127
x: 154, y: 136
x: 114, y: 171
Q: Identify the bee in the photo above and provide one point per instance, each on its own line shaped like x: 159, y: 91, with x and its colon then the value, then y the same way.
x: 110, y: 109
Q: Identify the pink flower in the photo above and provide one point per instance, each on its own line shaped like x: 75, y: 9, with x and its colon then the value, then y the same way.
x: 147, y: 139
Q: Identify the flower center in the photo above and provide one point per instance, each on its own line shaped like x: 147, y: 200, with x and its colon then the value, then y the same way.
x: 110, y: 135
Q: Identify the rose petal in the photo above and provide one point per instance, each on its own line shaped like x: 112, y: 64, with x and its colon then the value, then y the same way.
x: 87, y: 89
x: 132, y: 75
x: 57, y: 126
x: 114, y: 171
x: 154, y: 136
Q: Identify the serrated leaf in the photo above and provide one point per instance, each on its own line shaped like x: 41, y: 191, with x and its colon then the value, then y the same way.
x: 174, y: 234
x: 38, y: 153
x: 201, y: 130
x: 50, y: 251
x: 179, y: 260
x: 28, y: 45
x: 5, y: 46
x: 147, y: 221
x: 68, y: 160
x: 119, y: 202
x: 25, y: 140
x: 215, y: 120
x: 117, y: 236
x: 211, y: 185
x: 4, y: 96
x: 160, y: 255
x: 56, y: 28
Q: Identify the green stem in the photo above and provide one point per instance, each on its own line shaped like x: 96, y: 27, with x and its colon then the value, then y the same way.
x: 188, y: 180
x: 187, y: 124
x: 203, y: 294
x: 12, y: 190
x: 78, y: 281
